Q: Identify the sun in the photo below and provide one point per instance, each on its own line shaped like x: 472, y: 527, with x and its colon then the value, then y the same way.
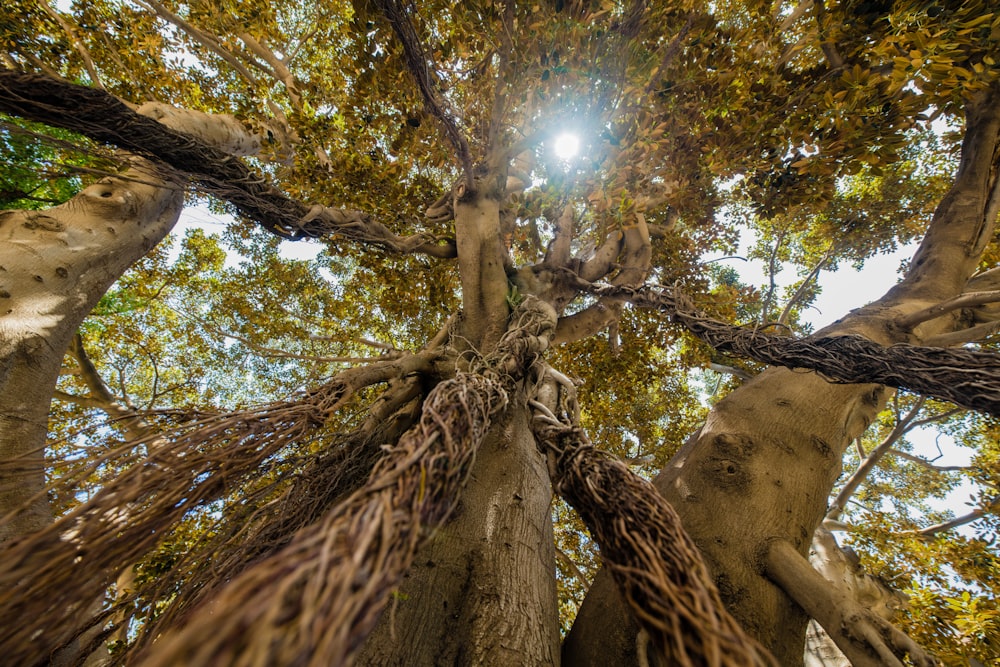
x: 566, y: 146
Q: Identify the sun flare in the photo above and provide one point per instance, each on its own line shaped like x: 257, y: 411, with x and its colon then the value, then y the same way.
x: 566, y: 146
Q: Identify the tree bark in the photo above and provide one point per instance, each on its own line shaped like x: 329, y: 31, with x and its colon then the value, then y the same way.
x: 762, y: 467
x: 483, y: 591
x: 56, y: 265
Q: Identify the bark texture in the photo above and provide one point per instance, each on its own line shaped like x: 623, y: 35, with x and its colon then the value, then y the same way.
x: 762, y: 467
x: 483, y: 591
x: 54, y: 267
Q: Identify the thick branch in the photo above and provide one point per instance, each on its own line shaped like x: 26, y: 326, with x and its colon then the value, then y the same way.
x: 966, y: 300
x: 866, y: 639
x: 417, y: 62
x: 964, y: 221
x: 966, y: 377
x: 104, y: 118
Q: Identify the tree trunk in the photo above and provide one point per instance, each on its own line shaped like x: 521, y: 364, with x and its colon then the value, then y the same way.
x: 482, y: 592
x: 763, y: 466
x: 56, y: 265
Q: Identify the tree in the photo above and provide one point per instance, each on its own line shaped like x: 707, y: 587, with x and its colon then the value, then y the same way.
x: 397, y: 511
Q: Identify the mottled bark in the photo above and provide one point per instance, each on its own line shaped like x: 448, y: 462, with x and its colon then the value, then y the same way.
x: 56, y: 264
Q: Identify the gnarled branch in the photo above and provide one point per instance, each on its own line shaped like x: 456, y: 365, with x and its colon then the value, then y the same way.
x: 865, y: 638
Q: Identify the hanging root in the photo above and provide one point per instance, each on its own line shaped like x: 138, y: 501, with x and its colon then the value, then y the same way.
x: 657, y: 567
x: 49, y: 579
x: 261, y: 524
x: 314, y: 601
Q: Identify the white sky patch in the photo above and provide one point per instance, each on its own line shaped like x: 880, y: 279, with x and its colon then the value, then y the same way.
x: 566, y: 146
x: 201, y: 217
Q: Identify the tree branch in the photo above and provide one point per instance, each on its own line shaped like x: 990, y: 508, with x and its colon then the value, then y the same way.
x: 966, y: 300
x: 828, y: 46
x: 418, y: 64
x: 966, y: 377
x: 771, y: 271
x: 865, y: 638
x: 974, y: 515
x: 783, y: 318
x: 963, y: 336
x: 731, y: 370
x: 283, y: 354
x: 964, y: 221
x: 924, y: 463
x: 106, y: 119
x: 868, y: 465
x: 74, y: 37
x: 206, y: 40
x: 573, y: 569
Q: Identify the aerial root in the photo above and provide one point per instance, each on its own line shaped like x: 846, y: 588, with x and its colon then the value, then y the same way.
x: 657, y: 567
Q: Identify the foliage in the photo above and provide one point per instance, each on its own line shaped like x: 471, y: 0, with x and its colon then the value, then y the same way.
x: 815, y: 140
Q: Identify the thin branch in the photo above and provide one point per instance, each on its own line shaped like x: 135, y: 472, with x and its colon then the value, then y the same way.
x: 868, y: 464
x: 282, y: 354
x: 74, y: 37
x: 276, y: 68
x: 741, y: 373
x: 418, y: 63
x: 936, y: 418
x: 206, y: 40
x: 82, y: 401
x: 119, y: 409
x: 974, y: 515
x: 771, y: 271
x: 673, y: 48
x: 500, y: 90
x: 827, y: 45
x: 924, y: 463
x: 280, y: 72
x: 800, y: 292
x: 573, y: 569
x: 966, y: 300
